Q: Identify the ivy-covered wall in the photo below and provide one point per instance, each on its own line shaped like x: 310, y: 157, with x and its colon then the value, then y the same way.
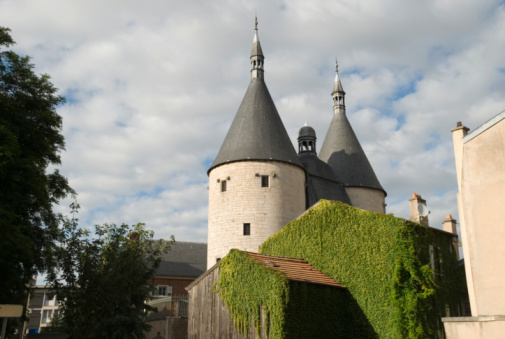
x: 290, y: 309
x: 246, y: 285
x: 384, y: 262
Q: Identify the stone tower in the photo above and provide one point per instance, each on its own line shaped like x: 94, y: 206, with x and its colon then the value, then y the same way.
x: 256, y: 182
x: 342, y: 151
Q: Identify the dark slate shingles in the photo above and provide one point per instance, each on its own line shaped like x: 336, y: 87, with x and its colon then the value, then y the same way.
x: 257, y: 132
x: 185, y: 259
x: 342, y: 151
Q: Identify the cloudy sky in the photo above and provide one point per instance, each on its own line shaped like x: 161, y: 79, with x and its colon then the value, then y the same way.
x: 152, y: 88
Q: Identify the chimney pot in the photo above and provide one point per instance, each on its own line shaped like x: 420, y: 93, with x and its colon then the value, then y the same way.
x: 458, y: 124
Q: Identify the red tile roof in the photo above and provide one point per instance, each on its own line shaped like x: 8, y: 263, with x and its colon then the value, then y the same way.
x: 295, y: 269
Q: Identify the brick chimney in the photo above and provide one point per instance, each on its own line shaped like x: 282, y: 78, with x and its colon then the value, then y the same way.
x: 415, y: 214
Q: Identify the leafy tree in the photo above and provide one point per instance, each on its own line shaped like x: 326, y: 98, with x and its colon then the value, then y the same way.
x: 102, y: 281
x: 30, y: 141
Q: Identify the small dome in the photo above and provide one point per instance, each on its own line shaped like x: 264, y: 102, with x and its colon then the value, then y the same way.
x: 306, y: 131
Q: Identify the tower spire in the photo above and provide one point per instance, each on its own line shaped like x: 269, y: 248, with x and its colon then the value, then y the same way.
x: 342, y: 151
x: 338, y: 93
x: 257, y: 57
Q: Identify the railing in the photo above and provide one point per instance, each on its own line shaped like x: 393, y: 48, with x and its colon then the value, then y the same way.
x: 174, y: 306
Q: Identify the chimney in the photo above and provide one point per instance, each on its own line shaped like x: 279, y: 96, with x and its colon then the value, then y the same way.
x: 418, y: 210
x: 458, y: 134
x: 449, y: 225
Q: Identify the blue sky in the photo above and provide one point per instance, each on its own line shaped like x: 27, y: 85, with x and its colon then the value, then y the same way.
x: 152, y: 89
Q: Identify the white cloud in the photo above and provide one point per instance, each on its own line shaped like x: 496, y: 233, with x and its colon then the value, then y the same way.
x: 152, y: 89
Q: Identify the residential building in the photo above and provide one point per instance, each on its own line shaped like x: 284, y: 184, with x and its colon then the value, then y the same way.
x: 480, y: 163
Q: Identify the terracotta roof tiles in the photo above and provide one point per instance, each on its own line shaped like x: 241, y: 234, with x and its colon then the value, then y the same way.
x: 295, y: 269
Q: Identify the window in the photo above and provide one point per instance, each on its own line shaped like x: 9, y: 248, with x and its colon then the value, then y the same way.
x: 218, y: 260
x: 247, y: 229
x: 264, y: 181
x: 223, y: 186
x: 435, y: 261
x: 50, y: 300
x: 46, y: 316
x: 164, y: 290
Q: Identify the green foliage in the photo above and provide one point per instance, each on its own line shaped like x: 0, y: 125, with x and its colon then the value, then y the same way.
x: 102, y: 280
x: 382, y: 260
x: 246, y: 286
x: 291, y: 309
x: 317, y: 311
x: 30, y: 141
x: 56, y: 325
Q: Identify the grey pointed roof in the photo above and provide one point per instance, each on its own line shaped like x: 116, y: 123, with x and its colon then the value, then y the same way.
x: 321, y: 181
x: 256, y: 47
x: 185, y: 259
x: 337, y: 87
x: 342, y: 151
x: 257, y: 132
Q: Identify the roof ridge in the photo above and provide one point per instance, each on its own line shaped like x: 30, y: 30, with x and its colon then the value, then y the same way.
x: 276, y: 256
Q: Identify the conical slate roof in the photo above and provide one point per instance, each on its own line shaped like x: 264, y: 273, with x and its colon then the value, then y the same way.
x: 257, y: 132
x: 342, y: 151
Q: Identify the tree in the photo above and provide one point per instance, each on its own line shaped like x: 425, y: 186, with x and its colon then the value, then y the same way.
x: 30, y: 141
x: 102, y: 281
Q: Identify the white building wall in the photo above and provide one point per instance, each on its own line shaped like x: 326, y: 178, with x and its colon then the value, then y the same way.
x: 266, y: 209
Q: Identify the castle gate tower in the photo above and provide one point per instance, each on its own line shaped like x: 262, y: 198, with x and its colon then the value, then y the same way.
x: 256, y: 182
x: 342, y: 151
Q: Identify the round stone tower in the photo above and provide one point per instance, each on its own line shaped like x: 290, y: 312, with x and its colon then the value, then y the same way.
x: 256, y: 182
x: 342, y: 151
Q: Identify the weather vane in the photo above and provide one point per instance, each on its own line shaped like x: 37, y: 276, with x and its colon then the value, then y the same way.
x: 256, y: 23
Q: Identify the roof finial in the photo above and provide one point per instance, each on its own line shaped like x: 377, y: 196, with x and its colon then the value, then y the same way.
x: 255, y: 23
x: 336, y: 65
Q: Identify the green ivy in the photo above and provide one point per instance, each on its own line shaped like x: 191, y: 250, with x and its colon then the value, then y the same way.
x: 383, y: 262
x: 246, y: 286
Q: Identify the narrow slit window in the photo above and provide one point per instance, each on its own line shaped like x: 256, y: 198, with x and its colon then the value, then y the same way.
x: 247, y: 229
x: 264, y: 181
x: 223, y: 186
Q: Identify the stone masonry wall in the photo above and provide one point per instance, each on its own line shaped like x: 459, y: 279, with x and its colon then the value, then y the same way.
x: 266, y: 209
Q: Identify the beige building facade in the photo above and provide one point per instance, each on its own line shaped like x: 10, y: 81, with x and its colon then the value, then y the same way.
x: 480, y: 167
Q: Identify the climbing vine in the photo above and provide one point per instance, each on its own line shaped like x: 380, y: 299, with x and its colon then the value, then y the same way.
x: 383, y: 261
x: 246, y: 286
